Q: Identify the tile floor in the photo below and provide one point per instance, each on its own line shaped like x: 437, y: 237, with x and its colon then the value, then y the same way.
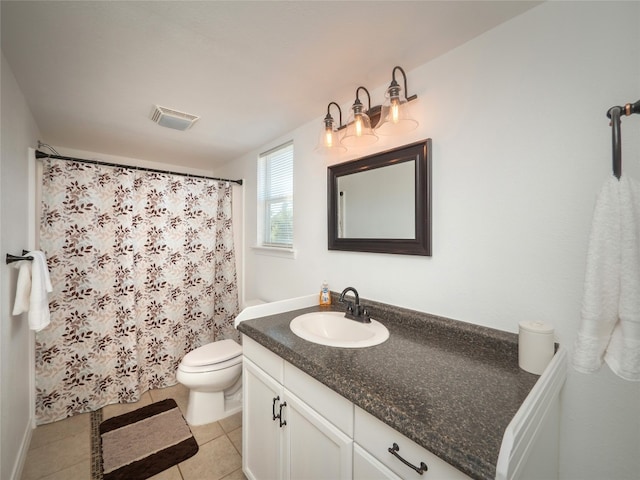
x: 62, y: 450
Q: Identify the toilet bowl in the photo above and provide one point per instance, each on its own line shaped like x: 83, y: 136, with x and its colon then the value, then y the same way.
x: 213, y: 375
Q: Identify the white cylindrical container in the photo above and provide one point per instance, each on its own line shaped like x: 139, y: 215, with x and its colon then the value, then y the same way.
x: 535, y: 346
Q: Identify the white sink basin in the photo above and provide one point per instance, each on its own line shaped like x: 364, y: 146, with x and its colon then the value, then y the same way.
x: 334, y: 330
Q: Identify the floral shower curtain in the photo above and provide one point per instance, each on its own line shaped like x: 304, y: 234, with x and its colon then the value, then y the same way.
x: 143, y: 271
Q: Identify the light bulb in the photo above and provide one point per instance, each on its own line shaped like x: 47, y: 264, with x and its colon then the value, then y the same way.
x: 358, y: 126
x: 395, y: 110
x: 328, y: 138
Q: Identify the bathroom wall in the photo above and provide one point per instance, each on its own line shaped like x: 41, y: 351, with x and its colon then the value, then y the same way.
x: 521, y: 147
x: 19, y: 132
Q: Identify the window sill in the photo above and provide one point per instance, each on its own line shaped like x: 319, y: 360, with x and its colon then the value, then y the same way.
x: 275, y: 252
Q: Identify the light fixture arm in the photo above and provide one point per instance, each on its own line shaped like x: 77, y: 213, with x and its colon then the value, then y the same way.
x: 395, y: 84
x: 358, y: 102
x: 329, y: 118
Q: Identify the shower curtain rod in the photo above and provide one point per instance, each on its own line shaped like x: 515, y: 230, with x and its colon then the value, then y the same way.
x: 40, y: 154
x: 614, y: 114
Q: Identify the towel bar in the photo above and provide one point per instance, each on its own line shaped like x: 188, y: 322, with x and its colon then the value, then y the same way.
x: 14, y: 258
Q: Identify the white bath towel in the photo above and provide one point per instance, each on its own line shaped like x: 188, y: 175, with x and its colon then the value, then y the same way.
x: 610, y: 324
x: 34, y: 283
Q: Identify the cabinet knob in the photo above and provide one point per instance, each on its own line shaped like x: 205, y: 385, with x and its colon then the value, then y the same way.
x: 394, y: 451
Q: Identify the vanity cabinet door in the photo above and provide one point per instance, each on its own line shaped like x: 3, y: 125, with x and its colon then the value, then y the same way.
x: 315, y: 448
x: 262, y: 439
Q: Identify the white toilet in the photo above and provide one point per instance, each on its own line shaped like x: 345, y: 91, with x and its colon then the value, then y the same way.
x: 213, y: 375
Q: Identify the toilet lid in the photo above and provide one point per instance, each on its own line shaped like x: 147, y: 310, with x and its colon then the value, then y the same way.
x: 211, y: 353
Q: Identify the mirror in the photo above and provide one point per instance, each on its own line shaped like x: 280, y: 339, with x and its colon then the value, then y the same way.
x: 382, y: 203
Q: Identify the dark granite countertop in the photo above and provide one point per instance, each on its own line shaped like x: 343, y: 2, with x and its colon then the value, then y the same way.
x: 451, y: 386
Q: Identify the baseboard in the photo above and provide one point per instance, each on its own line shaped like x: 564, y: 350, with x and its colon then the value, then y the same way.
x: 18, y: 467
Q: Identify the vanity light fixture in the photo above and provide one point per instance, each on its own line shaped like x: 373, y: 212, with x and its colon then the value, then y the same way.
x: 390, y: 118
x: 394, y: 117
x: 358, y: 131
x: 329, y: 143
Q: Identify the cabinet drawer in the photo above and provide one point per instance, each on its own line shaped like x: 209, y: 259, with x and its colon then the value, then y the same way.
x: 376, y: 437
x: 331, y: 405
x: 264, y: 358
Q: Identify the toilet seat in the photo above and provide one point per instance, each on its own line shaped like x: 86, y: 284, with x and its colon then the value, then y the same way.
x: 212, y: 356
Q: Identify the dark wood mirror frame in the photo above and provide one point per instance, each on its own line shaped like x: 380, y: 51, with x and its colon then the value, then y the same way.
x: 421, y: 244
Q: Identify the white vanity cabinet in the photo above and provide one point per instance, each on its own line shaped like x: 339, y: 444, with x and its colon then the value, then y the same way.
x: 296, y: 428
x: 284, y: 434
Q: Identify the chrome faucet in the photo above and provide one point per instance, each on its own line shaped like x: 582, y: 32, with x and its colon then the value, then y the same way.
x: 355, y: 312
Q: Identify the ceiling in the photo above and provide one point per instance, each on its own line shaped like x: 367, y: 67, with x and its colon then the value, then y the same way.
x: 92, y: 71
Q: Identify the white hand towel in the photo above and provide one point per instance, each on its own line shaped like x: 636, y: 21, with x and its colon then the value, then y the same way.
x: 23, y: 287
x: 623, y: 353
x: 610, y: 326
x: 32, y: 288
x: 39, y: 316
x: 602, y: 281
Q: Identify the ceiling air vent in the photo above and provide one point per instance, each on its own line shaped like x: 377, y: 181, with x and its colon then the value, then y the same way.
x: 172, y: 118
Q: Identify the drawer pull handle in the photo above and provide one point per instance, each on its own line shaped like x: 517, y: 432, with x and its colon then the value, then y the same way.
x: 273, y: 408
x: 282, y: 422
x: 394, y: 451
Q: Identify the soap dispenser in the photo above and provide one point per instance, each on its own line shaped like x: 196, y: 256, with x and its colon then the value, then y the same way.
x: 325, y: 295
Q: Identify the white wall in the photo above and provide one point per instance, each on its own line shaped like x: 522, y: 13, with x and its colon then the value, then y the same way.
x: 521, y: 146
x: 19, y: 132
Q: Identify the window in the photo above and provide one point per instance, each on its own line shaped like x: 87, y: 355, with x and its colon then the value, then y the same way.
x: 275, y: 197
